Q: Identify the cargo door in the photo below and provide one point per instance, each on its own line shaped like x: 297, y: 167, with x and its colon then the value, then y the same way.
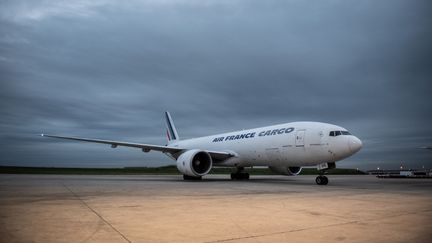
x: 273, y: 155
x: 299, y: 141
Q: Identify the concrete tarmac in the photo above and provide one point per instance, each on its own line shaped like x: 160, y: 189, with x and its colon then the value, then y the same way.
x: 164, y: 208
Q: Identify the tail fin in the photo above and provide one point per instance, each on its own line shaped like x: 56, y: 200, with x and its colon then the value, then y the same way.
x: 172, y: 135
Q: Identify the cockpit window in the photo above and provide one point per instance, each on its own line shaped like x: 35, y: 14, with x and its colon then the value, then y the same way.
x: 337, y: 133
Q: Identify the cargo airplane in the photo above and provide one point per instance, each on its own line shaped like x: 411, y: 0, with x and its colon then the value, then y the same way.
x: 284, y: 148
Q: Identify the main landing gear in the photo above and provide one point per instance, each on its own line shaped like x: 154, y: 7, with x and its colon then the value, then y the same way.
x: 321, y: 180
x: 239, y: 174
x: 191, y: 178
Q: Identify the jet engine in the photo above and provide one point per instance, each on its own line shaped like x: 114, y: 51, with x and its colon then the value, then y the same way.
x: 194, y: 163
x: 291, y: 171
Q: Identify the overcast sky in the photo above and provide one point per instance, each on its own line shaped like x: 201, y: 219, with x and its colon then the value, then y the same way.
x: 109, y: 69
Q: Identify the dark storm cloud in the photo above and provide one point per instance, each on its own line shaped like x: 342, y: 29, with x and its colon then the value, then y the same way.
x: 108, y: 70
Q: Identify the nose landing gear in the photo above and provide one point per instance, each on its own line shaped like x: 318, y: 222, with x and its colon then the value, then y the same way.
x: 322, y: 168
x: 321, y: 180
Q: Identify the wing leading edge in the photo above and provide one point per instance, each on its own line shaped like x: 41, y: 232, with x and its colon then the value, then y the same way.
x: 219, y: 155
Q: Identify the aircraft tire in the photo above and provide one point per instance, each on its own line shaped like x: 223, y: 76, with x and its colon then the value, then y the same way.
x: 191, y: 178
x: 321, y: 180
x: 239, y: 176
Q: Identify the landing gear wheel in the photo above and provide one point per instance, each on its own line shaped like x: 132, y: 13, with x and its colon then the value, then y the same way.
x: 239, y: 176
x: 321, y: 180
x: 191, y: 178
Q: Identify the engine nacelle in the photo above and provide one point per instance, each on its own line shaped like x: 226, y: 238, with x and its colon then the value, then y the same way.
x: 291, y: 171
x: 194, y: 162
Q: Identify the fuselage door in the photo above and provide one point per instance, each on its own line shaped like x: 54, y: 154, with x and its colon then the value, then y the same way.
x: 300, y: 138
x: 273, y: 155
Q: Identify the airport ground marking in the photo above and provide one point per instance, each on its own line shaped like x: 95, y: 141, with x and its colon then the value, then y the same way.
x: 282, y: 232
x: 324, y: 226
x: 95, y: 212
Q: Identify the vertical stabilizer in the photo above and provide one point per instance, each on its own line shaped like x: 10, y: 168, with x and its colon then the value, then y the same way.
x: 171, y: 133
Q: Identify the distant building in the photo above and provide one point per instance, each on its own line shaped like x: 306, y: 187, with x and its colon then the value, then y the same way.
x: 405, y: 173
x: 401, y: 173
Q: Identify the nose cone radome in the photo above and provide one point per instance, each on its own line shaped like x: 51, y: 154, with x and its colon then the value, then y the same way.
x: 355, y: 144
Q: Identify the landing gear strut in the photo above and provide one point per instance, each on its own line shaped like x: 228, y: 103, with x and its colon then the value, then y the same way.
x: 321, y: 180
x: 239, y: 175
x: 322, y: 168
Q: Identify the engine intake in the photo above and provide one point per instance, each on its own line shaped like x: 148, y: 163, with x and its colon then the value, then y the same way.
x: 291, y: 171
x: 195, y: 163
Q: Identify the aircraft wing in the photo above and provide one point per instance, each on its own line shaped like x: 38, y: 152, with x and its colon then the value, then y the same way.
x: 218, y: 155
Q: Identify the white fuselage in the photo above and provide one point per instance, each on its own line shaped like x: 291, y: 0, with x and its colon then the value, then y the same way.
x: 288, y: 144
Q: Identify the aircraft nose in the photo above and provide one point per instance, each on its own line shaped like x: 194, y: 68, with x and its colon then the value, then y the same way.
x: 355, y: 144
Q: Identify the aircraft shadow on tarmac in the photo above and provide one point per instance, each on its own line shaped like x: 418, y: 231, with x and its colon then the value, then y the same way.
x: 206, y: 180
x: 343, y: 182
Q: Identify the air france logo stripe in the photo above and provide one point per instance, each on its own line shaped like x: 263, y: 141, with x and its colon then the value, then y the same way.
x: 171, y: 131
x: 168, y: 136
